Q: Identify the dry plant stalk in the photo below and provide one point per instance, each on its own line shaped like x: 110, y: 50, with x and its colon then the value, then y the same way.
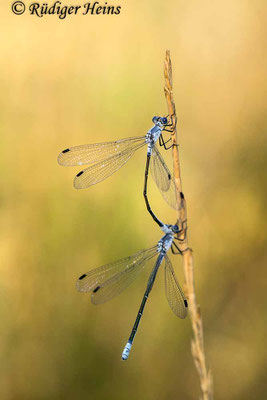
x: 197, y: 344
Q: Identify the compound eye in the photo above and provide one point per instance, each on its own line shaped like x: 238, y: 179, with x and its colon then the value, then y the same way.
x: 164, y: 121
x: 155, y: 119
x: 175, y: 229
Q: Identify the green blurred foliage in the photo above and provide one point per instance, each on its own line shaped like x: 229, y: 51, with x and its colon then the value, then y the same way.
x: 98, y: 78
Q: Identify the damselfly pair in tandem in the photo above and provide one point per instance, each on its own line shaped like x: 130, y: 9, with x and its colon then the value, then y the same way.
x: 110, y: 280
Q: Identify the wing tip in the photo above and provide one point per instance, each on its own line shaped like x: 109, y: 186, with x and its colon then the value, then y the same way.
x: 79, y: 285
x: 185, y: 310
x: 60, y: 158
x: 77, y: 182
x: 80, y: 183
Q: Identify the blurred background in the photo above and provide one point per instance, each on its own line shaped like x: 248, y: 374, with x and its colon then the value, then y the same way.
x: 89, y: 79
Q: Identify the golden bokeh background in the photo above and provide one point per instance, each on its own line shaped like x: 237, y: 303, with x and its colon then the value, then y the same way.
x: 89, y: 79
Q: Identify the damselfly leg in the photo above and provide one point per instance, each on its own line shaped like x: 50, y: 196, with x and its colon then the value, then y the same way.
x: 163, y: 143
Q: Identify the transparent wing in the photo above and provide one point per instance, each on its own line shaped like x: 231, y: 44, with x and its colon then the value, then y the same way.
x: 160, y: 172
x: 163, y: 178
x: 111, y: 279
x: 93, y: 153
x: 103, y: 169
x: 174, y: 293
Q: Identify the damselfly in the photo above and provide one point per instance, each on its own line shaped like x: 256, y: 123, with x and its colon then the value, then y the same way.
x: 106, y: 158
x: 109, y: 280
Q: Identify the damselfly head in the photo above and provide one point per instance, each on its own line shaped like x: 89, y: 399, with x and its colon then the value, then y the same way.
x: 175, y: 228
x: 156, y: 119
x: 161, y: 121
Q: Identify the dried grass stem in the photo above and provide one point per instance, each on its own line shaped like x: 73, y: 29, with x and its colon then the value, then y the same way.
x: 197, y: 344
